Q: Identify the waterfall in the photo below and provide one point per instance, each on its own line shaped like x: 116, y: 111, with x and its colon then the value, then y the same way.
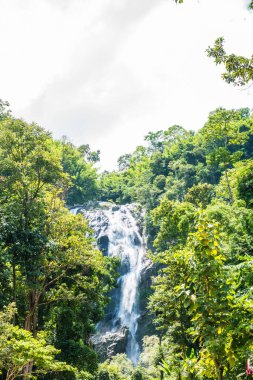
x: 75, y: 210
x: 118, y: 235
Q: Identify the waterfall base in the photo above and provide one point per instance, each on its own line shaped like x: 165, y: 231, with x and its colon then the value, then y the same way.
x: 111, y: 343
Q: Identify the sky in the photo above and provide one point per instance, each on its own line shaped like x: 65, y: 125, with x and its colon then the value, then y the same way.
x: 106, y: 72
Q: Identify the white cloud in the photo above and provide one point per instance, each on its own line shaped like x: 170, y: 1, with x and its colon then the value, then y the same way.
x: 106, y: 72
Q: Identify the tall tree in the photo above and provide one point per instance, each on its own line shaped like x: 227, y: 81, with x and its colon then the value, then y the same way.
x: 225, y: 132
x: 78, y: 164
x: 29, y: 165
x: 50, y: 251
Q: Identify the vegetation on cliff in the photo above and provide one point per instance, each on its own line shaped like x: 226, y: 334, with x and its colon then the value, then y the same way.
x: 197, y: 189
x: 49, y: 267
x: 198, y: 194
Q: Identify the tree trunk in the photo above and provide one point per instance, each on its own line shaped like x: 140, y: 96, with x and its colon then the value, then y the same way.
x: 32, y: 316
x: 27, y: 370
x: 231, y: 197
x: 220, y: 373
x: 31, y: 324
x: 14, y: 284
x: 219, y: 370
x: 162, y: 357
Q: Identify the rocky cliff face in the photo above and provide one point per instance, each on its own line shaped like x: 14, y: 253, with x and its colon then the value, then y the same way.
x: 111, y: 343
x: 119, y: 232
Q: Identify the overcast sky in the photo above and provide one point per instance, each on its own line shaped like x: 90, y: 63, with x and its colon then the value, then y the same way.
x: 106, y: 72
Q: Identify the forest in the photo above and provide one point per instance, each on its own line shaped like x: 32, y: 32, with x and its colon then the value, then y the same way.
x: 197, y: 192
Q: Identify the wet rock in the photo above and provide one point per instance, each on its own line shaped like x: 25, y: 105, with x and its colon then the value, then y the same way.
x: 119, y: 232
x: 98, y: 221
x: 145, y: 322
x: 136, y: 240
x: 124, y: 266
x: 139, y: 215
x: 110, y: 343
x: 103, y: 244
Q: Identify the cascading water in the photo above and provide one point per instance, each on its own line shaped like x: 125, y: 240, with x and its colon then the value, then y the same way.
x: 118, y: 235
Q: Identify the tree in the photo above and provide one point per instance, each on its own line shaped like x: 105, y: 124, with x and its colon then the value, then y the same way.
x: 243, y: 175
x: 18, y: 348
x: 124, y: 162
x: 119, y: 367
x: 221, y: 320
x: 74, y: 285
x: 114, y: 187
x: 239, y: 70
x: 47, y: 254
x: 201, y: 298
x: 78, y: 164
x: 155, y: 140
x: 175, y: 220
x: 4, y: 113
x: 175, y: 134
x: 200, y: 195
x: 149, y: 356
x: 171, y: 305
x: 209, y: 293
x: 224, y: 131
x: 29, y: 166
x: 90, y: 156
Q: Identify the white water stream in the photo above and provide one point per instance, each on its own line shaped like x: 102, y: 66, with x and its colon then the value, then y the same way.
x: 125, y: 242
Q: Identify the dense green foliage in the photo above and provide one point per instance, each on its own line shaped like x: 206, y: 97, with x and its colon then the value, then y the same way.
x: 48, y: 264
x: 198, y: 194
x: 197, y: 190
x: 19, y: 348
x: 177, y: 161
x: 78, y: 163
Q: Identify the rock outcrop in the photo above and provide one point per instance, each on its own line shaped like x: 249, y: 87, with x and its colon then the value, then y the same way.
x: 119, y: 231
x: 111, y: 343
